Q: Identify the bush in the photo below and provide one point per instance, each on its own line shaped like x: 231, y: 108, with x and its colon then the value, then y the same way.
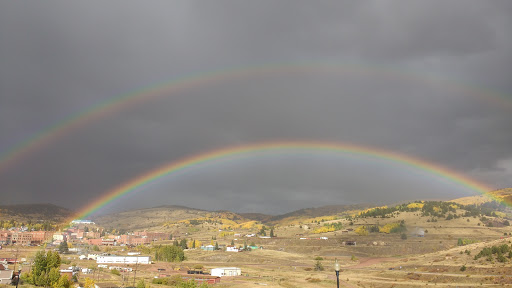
x: 318, y: 258
x: 115, y: 272
x: 403, y: 236
x: 319, y: 266
x: 463, y: 268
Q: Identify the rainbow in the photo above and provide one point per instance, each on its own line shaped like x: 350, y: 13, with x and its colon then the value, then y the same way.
x: 113, y: 105
x: 278, y: 147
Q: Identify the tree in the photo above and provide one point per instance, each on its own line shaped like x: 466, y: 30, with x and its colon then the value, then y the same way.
x: 361, y: 230
x: 169, y: 253
x: 232, y: 242
x: 89, y: 283
x: 183, y: 244
x: 63, y: 282
x: 216, y: 245
x: 63, y: 247
x: 319, y: 266
x: 141, y: 284
x: 271, y: 232
x: 45, y: 270
x: 53, y: 276
x: 95, y: 248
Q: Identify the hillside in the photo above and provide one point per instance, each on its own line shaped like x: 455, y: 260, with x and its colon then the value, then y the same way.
x: 504, y: 195
x: 172, y: 216
x: 149, y: 218
x: 167, y: 216
x: 34, y: 213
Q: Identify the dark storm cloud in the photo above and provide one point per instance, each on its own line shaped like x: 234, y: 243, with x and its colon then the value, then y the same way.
x: 59, y: 58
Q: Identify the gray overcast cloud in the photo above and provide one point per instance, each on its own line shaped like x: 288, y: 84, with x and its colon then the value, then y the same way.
x: 429, y: 79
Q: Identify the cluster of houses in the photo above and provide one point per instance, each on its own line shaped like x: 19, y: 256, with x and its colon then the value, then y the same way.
x: 20, y: 236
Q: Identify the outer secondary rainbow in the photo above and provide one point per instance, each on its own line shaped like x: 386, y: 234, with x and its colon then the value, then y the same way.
x: 335, y: 147
x: 114, y: 104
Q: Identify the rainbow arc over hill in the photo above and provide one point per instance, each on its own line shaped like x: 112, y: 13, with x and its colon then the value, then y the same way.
x: 278, y: 147
x: 113, y: 105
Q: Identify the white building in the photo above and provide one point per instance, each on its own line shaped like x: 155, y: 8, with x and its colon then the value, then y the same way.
x: 6, y: 276
x: 230, y: 248
x: 78, y: 221
x: 226, y: 271
x: 123, y: 259
x: 59, y: 237
x: 92, y: 256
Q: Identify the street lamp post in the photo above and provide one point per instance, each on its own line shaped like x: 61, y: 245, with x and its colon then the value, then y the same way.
x: 337, y: 269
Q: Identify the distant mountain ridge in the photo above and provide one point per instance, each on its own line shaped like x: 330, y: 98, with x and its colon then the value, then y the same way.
x: 34, y: 212
x: 155, y: 217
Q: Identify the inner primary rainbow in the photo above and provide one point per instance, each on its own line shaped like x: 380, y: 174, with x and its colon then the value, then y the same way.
x: 334, y: 147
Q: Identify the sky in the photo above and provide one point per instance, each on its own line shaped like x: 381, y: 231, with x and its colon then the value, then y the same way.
x: 427, y: 79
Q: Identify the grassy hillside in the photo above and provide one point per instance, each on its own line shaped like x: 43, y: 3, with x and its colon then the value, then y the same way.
x: 504, y: 195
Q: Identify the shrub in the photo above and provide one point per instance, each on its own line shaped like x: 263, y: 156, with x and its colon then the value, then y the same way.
x: 361, y: 230
x: 319, y: 266
x: 115, y: 272
x: 403, y: 236
x: 463, y: 268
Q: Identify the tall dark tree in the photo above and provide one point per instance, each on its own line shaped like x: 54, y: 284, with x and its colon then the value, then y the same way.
x: 183, y: 244
x: 63, y: 247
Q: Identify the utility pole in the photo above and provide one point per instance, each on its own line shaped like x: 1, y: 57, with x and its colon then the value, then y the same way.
x: 135, y: 273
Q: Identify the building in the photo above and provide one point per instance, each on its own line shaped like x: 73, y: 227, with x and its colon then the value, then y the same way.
x: 123, y: 259
x: 59, y: 237
x: 202, y: 279
x: 208, y: 248
x: 5, y: 237
x: 40, y: 237
x: 108, y: 242
x: 226, y: 271
x: 96, y: 241
x: 231, y: 248
x: 21, y: 238
x: 78, y: 221
x: 5, y: 275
